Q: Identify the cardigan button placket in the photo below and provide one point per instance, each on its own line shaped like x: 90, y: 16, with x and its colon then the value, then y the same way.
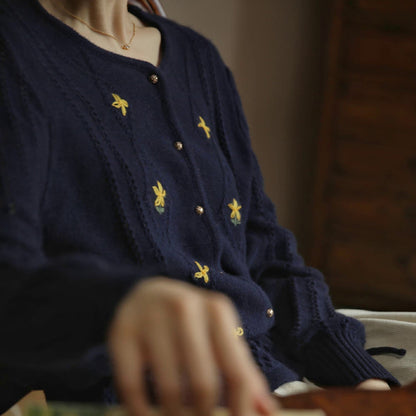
x: 178, y: 146
x: 199, y: 210
x: 154, y: 79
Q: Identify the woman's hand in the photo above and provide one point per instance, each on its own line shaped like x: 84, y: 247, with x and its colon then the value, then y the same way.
x: 373, y: 384
x: 186, y: 337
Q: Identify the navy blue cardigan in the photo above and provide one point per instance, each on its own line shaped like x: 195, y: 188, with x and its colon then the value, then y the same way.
x: 113, y: 170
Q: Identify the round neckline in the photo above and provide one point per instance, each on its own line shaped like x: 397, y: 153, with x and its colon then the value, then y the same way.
x: 143, y: 16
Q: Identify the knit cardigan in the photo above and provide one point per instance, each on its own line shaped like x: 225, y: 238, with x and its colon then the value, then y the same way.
x: 113, y: 170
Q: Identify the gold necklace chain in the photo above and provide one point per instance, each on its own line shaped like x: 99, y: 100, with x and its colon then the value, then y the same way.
x: 123, y: 45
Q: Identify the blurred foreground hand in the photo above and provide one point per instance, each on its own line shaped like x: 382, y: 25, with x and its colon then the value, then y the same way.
x: 186, y: 337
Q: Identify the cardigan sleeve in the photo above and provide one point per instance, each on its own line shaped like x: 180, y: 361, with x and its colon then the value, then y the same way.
x: 52, y: 311
x: 327, y: 346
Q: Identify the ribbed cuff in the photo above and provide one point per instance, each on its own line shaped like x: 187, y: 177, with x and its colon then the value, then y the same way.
x: 337, y: 360
x: 280, y: 375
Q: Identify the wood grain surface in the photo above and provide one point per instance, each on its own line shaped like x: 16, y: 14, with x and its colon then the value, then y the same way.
x: 365, y: 191
x: 349, y: 402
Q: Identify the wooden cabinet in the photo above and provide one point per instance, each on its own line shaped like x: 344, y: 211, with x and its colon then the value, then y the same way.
x: 365, y: 195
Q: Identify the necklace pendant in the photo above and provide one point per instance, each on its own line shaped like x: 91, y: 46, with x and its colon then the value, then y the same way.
x: 126, y: 47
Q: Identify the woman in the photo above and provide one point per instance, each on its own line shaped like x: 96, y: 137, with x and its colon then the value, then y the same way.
x: 134, y: 217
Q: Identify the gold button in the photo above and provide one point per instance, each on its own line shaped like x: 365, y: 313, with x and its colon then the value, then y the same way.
x: 199, y: 210
x: 178, y: 145
x: 270, y: 313
x: 154, y: 79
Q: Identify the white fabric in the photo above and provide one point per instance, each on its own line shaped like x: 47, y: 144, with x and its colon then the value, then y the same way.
x: 295, y: 387
x: 383, y: 329
x: 391, y: 329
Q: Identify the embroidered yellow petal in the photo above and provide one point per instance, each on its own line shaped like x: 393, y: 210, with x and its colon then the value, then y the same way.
x: 203, y: 126
x: 238, y: 332
x: 203, y: 272
x: 235, y: 212
x: 120, y: 103
x: 160, y: 197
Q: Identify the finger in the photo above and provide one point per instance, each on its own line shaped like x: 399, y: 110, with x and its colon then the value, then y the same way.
x: 270, y: 409
x: 128, y: 369
x: 234, y: 358
x: 164, y: 363
x: 197, y: 355
x: 264, y: 403
x: 373, y: 384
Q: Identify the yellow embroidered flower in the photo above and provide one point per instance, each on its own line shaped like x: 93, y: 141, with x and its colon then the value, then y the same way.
x: 203, y: 272
x: 238, y: 332
x: 203, y: 126
x: 235, y: 212
x: 120, y: 103
x: 160, y: 197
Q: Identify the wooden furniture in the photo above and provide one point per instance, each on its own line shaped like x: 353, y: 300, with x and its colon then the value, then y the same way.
x: 334, y: 402
x: 349, y: 402
x: 365, y: 194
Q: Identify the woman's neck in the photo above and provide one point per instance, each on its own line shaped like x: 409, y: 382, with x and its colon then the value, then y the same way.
x: 109, y: 16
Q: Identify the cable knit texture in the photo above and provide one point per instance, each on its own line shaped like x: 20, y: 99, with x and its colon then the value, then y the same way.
x: 96, y: 193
